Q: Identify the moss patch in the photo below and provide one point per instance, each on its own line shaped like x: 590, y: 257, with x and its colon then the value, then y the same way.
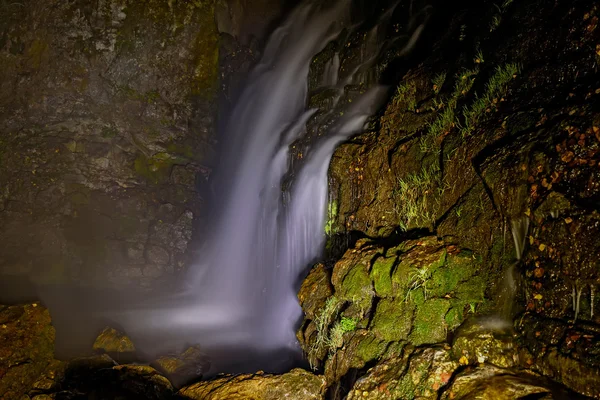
x: 393, y: 319
x: 430, y: 325
x: 381, y: 274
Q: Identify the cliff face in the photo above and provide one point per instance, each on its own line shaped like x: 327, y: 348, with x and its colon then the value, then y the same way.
x: 107, y: 112
x: 476, y: 192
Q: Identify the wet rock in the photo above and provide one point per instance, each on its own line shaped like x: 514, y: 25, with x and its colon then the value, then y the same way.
x: 185, y: 367
x: 296, y: 385
x: 578, y: 376
x: 112, y: 341
x: 315, y: 290
x: 477, y: 343
x: 96, y: 126
x: 490, y: 382
x: 419, y: 375
x: 99, y: 377
x: 27, y: 360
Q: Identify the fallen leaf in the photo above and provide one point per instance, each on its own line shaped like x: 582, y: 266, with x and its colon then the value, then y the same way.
x: 538, y: 296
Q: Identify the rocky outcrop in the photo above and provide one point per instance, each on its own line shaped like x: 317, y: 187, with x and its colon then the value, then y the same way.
x: 490, y: 143
x: 386, y: 298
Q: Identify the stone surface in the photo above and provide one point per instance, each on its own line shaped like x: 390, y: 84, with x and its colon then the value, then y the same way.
x: 296, y: 384
x: 95, y: 118
x: 414, y: 293
x: 420, y: 375
x: 27, y: 364
x: 112, y: 341
x: 183, y: 368
x: 489, y: 382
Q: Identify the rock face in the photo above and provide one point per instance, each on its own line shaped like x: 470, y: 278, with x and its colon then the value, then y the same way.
x: 296, y: 384
x: 488, y: 147
x: 106, y: 113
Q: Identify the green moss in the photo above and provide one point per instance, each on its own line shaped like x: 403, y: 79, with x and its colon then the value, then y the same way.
x: 37, y: 53
x: 430, y: 324
x: 332, y: 212
x: 356, y: 287
x: 457, y: 269
x: 156, y: 169
x: 473, y: 290
x: 370, y: 348
x: 392, y: 319
x: 455, y: 316
x: 381, y: 274
x: 109, y: 132
x: 181, y: 150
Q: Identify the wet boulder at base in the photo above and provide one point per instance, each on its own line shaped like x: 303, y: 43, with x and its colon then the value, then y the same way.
x: 27, y: 364
x: 294, y: 385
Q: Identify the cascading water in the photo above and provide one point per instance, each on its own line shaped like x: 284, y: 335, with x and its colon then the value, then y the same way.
x: 242, y: 294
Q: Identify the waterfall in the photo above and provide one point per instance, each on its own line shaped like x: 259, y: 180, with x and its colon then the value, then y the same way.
x: 241, y: 292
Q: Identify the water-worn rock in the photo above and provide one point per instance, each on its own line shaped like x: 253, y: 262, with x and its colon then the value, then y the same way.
x: 27, y: 363
x: 476, y: 343
x: 185, y: 367
x: 295, y: 385
x: 114, y: 342
x: 488, y: 382
x: 419, y: 375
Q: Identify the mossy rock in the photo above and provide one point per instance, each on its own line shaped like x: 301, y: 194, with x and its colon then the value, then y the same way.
x: 393, y: 319
x: 419, y: 374
x: 315, y: 290
x: 357, y: 287
x: 362, y: 347
x: 381, y: 274
x: 430, y: 324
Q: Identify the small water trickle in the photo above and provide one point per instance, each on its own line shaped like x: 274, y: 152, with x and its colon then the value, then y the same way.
x: 519, y: 229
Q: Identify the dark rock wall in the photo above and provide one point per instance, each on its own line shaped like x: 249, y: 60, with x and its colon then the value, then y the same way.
x: 106, y: 120
x: 496, y: 125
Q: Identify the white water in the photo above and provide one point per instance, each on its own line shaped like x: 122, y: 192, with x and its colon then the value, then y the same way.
x: 242, y: 291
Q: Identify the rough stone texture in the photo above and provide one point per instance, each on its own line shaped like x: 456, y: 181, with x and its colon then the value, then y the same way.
x: 474, y: 344
x: 185, y: 367
x: 295, y: 385
x: 414, y: 293
x: 490, y: 382
x: 107, y: 115
x: 497, y: 123
x: 420, y: 376
x: 27, y: 364
x: 112, y: 341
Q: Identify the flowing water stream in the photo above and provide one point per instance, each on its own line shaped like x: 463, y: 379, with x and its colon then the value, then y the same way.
x: 241, y: 293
